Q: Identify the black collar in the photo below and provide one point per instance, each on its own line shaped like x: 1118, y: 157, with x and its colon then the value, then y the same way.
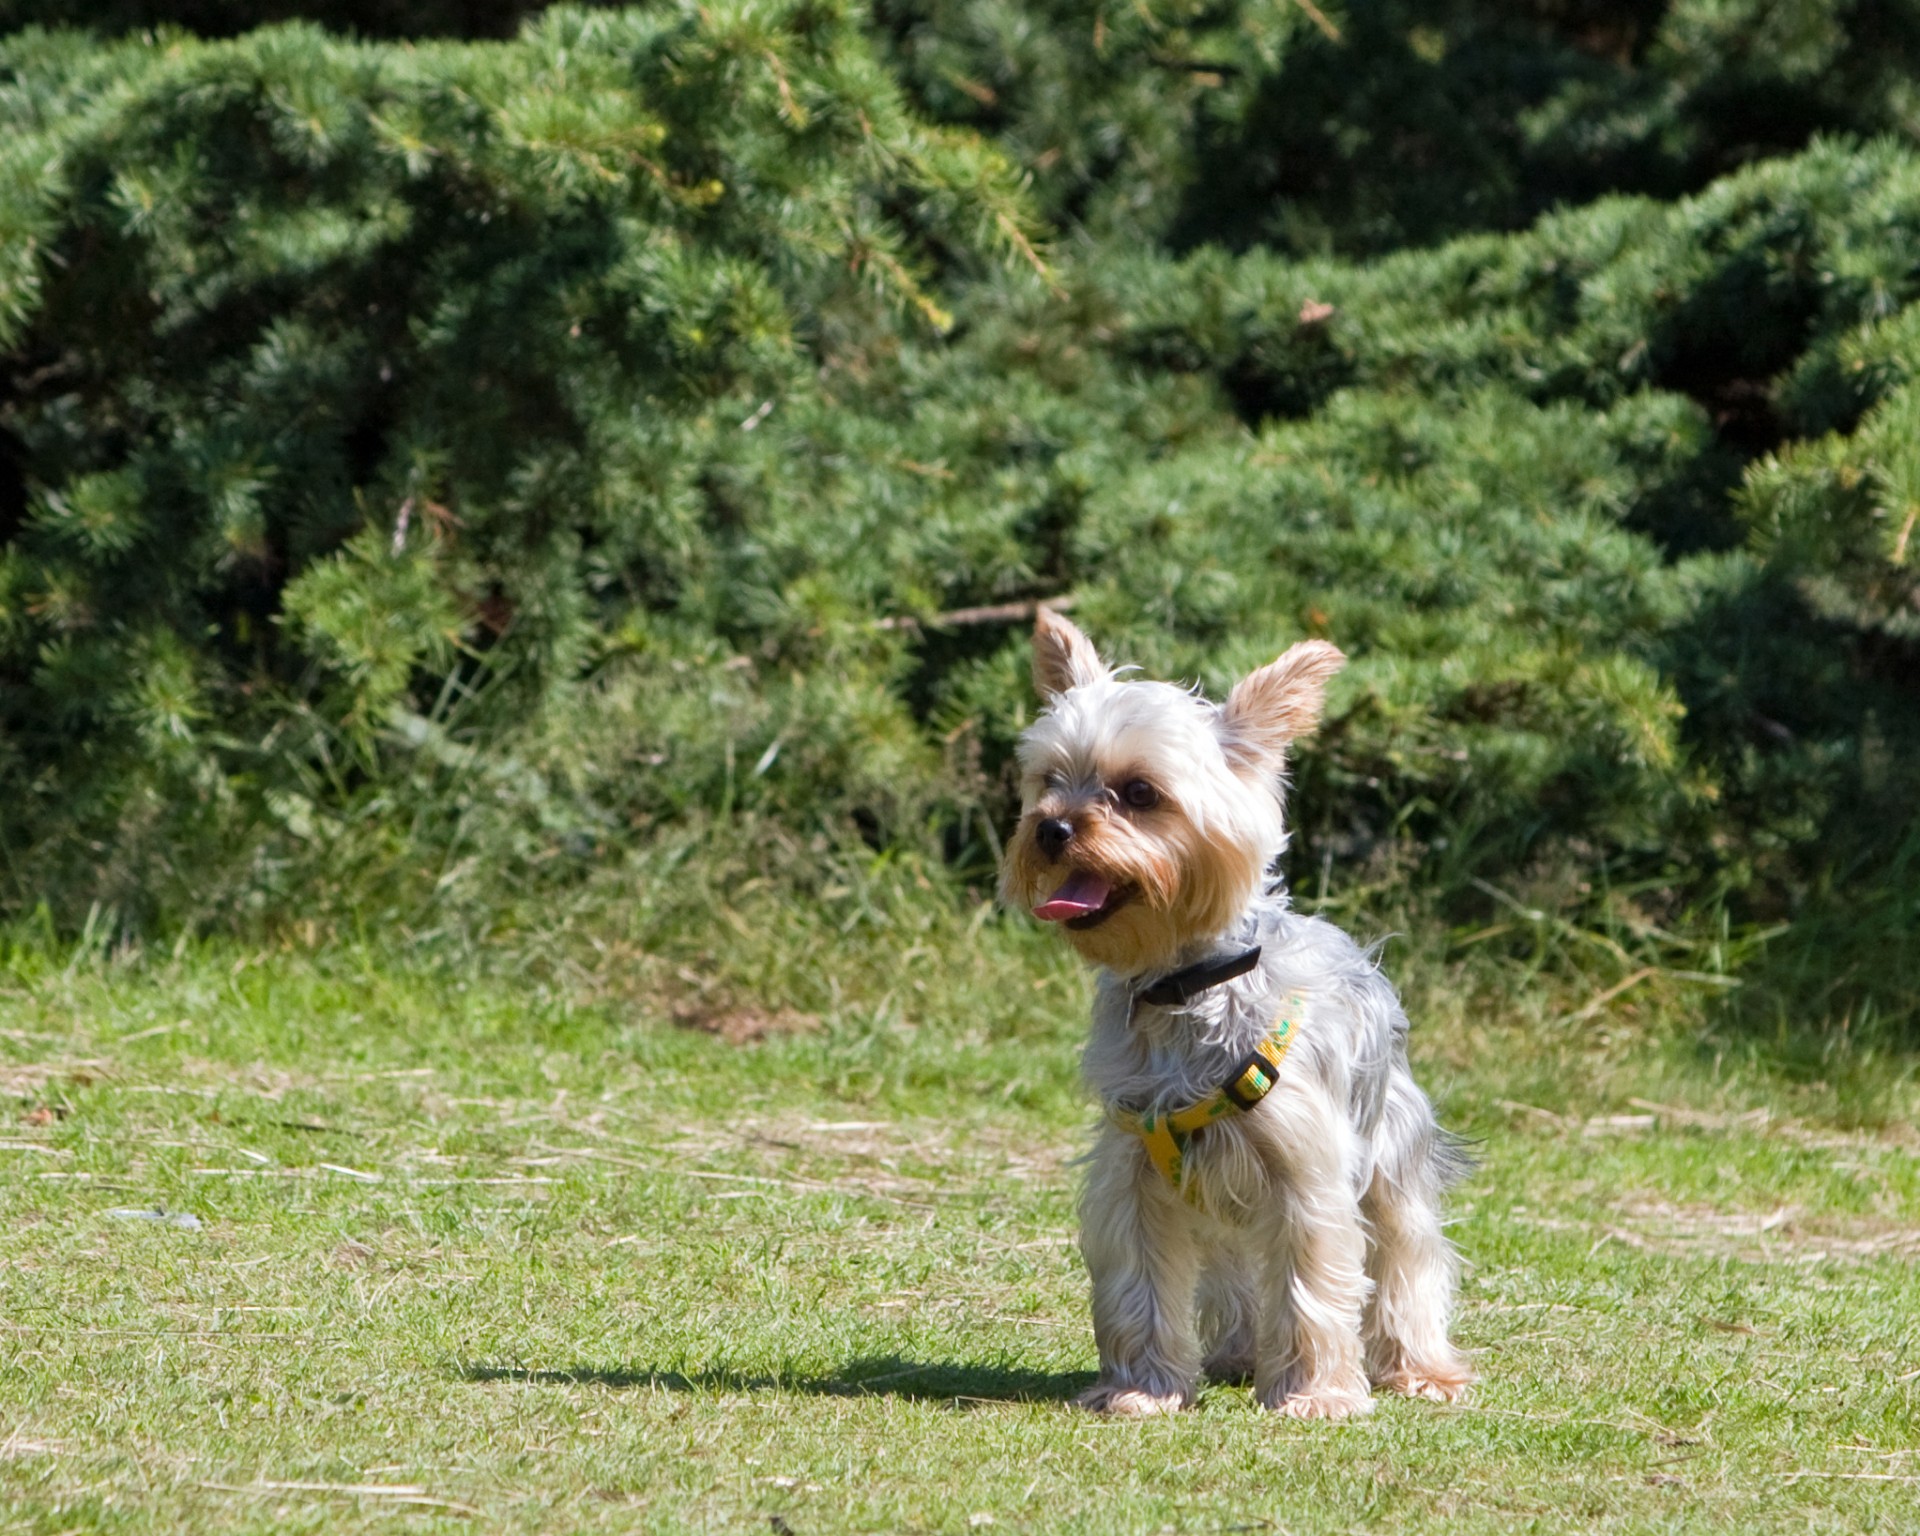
x: 1182, y: 987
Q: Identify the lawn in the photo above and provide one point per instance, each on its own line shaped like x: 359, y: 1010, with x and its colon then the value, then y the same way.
x: 611, y: 1238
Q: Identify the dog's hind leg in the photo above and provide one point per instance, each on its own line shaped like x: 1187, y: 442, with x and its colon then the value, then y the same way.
x: 1138, y: 1241
x: 1413, y: 1266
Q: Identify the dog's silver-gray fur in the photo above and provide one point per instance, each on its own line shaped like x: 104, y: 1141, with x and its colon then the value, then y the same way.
x: 1314, y: 1257
x: 1305, y: 1245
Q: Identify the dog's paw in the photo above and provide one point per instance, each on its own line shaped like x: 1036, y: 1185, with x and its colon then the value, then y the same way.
x: 1125, y: 1402
x: 1437, y: 1384
x: 1332, y: 1401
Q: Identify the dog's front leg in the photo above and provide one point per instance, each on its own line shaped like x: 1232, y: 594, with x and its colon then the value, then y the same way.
x: 1314, y: 1285
x: 1139, y: 1245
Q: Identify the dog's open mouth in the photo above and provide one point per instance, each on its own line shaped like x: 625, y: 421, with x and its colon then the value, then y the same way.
x: 1085, y: 901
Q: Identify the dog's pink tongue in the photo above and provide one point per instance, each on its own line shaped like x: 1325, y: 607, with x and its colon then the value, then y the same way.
x: 1083, y: 893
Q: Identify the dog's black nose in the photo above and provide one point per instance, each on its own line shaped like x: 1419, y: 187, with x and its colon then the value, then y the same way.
x: 1053, y: 835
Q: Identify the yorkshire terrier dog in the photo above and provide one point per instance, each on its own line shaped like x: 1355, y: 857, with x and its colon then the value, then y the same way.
x: 1264, y: 1195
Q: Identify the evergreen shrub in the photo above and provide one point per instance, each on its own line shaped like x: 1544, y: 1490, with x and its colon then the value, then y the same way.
x: 230, y: 18
x: 438, y: 469
x: 1363, y: 126
x: 366, y: 402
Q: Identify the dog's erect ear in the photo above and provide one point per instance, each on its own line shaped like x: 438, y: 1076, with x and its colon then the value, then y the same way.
x: 1063, y: 658
x: 1282, y: 700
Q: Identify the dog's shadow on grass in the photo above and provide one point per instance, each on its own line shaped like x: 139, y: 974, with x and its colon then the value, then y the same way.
x: 868, y: 1376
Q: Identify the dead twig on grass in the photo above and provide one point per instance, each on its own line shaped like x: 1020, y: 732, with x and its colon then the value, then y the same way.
x: 398, y: 1493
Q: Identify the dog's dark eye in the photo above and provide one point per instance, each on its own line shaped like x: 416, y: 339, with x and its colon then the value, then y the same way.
x: 1139, y: 794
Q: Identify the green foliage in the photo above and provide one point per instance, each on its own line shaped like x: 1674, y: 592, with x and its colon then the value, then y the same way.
x: 1112, y: 108
x: 1722, y: 382
x: 1367, y: 125
x: 347, y: 380
x: 437, y: 467
x: 1427, y: 118
x: 1836, y: 514
x: 227, y: 18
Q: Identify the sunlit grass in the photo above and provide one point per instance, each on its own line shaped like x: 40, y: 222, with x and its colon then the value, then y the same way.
x: 501, y: 1245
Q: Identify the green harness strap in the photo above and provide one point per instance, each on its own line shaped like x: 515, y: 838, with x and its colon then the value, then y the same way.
x: 1167, y: 1132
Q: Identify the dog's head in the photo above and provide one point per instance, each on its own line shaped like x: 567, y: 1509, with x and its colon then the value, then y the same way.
x: 1148, y: 815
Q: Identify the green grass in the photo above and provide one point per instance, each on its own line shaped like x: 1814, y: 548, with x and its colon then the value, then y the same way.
x: 504, y: 1247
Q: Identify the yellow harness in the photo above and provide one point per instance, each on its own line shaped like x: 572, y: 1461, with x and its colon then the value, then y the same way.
x: 1167, y: 1132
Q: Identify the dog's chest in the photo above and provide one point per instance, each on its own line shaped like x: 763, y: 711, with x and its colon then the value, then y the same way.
x: 1232, y: 1171
x: 1154, y: 1058
x: 1162, y: 1077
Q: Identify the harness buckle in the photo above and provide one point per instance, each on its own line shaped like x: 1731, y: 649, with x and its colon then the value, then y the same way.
x: 1250, y: 1083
